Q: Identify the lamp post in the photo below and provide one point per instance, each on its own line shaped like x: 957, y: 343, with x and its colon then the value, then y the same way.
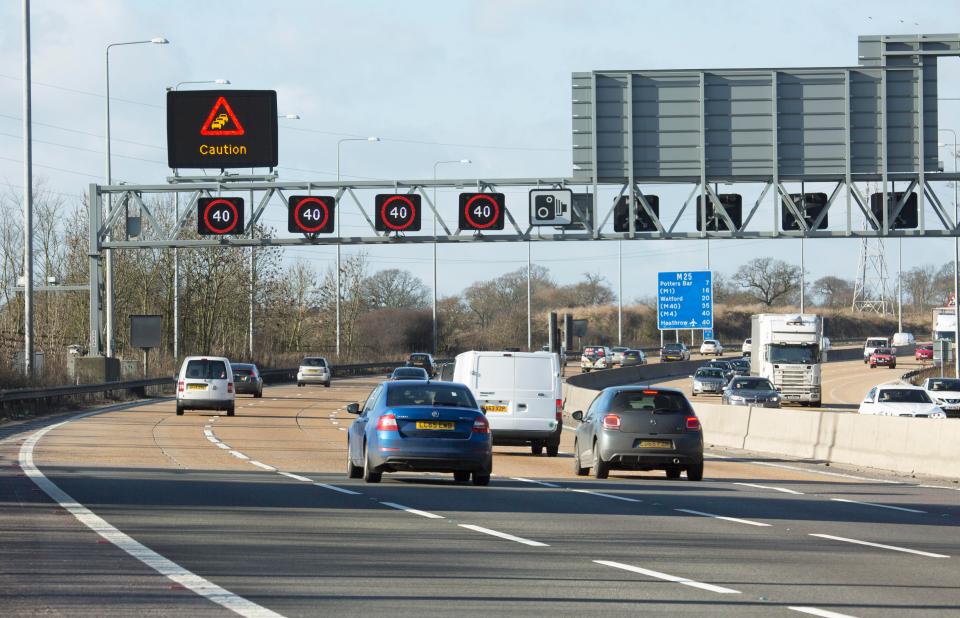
x: 338, y: 217
x: 176, y: 252
x: 27, y: 199
x: 435, y: 165
x: 108, y: 254
x: 956, y: 261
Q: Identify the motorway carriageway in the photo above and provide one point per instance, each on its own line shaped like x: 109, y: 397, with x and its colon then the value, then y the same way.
x: 154, y: 514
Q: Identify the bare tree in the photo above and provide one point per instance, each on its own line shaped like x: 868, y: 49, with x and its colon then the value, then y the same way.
x: 833, y: 292
x: 769, y: 281
x: 396, y: 289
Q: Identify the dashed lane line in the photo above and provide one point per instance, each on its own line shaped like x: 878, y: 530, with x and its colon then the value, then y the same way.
x: 816, y: 611
x: 667, y: 577
x: 400, y: 507
x: 535, y: 482
x: 880, y: 545
x: 780, y: 489
x: 879, y: 506
x: 735, y: 520
x: 341, y: 490
x: 503, y: 535
x: 603, y: 495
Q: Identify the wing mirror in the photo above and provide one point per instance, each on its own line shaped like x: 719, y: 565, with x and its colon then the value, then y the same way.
x: 353, y: 408
x: 578, y: 416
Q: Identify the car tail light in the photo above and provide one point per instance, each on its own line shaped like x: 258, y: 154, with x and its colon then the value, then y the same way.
x: 693, y: 423
x: 611, y: 421
x: 180, y: 386
x: 559, y: 410
x: 229, y: 387
x: 481, y: 425
x: 387, y: 422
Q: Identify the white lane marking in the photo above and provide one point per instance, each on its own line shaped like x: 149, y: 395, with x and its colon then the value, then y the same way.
x: 939, y: 487
x: 823, y: 472
x: 263, y: 465
x: 715, y: 456
x: 341, y: 428
x: 780, y: 489
x: 544, y: 483
x: 879, y: 506
x: 238, y: 455
x: 207, y: 432
x: 163, y: 566
x: 891, y: 547
x: 733, y: 519
x: 400, y: 507
x: 503, y: 535
x: 816, y: 611
x: 340, y: 489
x: 296, y: 477
x: 569, y: 428
x: 666, y: 577
x: 603, y: 495
x: 223, y: 446
x: 212, y: 439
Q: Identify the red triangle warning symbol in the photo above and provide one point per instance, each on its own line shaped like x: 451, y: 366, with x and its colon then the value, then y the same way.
x: 222, y: 120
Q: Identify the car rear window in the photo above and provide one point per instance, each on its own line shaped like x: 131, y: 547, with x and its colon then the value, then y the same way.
x: 945, y: 385
x: 926, y: 347
x: 752, y: 384
x: 672, y: 347
x: 883, y: 351
x: 242, y: 372
x: 432, y: 394
x: 903, y: 395
x: 409, y: 372
x: 204, y: 369
x: 876, y: 343
x: 650, y: 401
x: 314, y: 362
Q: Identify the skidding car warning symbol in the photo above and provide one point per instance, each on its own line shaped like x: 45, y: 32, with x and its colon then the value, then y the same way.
x: 222, y: 120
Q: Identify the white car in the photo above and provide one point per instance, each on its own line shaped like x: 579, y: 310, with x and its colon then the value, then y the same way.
x: 205, y: 383
x: 900, y: 399
x: 945, y: 392
x: 314, y: 370
x: 617, y: 357
x: 711, y: 346
x: 747, y: 348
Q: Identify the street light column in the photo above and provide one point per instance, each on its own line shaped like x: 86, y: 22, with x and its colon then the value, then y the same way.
x: 956, y: 262
x: 435, y: 207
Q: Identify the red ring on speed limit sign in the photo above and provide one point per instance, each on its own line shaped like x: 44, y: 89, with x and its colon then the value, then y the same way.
x: 401, y: 198
x: 493, y: 219
x: 220, y: 230
x: 312, y: 200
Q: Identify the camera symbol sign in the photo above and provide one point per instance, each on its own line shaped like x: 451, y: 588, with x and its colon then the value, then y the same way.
x: 551, y: 206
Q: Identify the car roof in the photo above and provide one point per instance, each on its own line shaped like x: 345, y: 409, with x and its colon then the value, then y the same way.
x: 243, y: 365
x: 899, y: 385
x: 634, y: 388
x: 219, y: 358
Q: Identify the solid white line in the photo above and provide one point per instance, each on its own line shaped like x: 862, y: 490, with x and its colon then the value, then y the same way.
x: 504, y: 535
x: 603, y: 495
x: 669, y: 578
x: 225, y: 447
x: 879, y: 506
x: 400, y: 507
x: 296, y: 477
x: 733, y: 519
x: 811, y: 471
x: 340, y: 489
x: 892, y: 547
x: 263, y: 465
x: 238, y: 455
x: 939, y: 487
x: 780, y: 489
x: 815, y: 611
x: 523, y: 480
x: 212, y: 439
x: 144, y: 554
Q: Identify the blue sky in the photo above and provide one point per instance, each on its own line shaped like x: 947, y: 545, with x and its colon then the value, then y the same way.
x: 484, y: 80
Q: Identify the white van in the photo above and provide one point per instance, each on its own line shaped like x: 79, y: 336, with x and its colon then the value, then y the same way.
x: 872, y: 344
x: 205, y: 383
x: 521, y: 394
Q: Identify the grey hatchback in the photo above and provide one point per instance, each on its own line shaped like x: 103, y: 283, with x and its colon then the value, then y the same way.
x: 639, y: 428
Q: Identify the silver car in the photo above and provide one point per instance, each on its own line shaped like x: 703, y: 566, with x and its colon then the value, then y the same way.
x: 708, y: 380
x: 751, y: 391
x: 314, y: 370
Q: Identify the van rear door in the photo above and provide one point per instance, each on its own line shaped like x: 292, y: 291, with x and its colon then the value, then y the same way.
x: 535, y: 380
x: 495, y: 385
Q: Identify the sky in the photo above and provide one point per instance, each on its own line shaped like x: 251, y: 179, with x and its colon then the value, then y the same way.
x: 487, y: 81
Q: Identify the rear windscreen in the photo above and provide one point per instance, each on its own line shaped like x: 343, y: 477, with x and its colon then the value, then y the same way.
x: 432, y: 394
x: 314, y: 362
x: 410, y: 372
x: 650, y: 401
x: 903, y: 395
x: 242, y: 372
x: 206, y: 370
x: 672, y: 347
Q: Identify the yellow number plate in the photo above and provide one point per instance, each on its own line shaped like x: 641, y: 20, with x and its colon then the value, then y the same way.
x: 494, y: 408
x: 656, y: 444
x: 196, y: 387
x: 435, y: 425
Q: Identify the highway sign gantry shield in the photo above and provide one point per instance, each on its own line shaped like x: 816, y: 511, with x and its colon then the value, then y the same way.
x: 219, y: 216
x: 685, y: 300
x: 397, y: 213
x: 220, y: 129
x: 311, y: 214
x: 481, y: 211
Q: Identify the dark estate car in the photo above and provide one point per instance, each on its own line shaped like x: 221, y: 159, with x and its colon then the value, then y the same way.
x: 633, y: 357
x: 674, y: 352
x: 639, y: 428
x: 423, y: 360
x: 409, y: 373
x: 247, y: 379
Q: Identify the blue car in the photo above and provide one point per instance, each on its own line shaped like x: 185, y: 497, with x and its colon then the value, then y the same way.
x: 420, y: 426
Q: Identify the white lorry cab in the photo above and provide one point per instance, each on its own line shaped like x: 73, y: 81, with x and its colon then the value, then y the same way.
x: 787, y: 351
x: 520, y: 393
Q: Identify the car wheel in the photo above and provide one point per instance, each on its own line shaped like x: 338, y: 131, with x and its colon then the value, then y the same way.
x: 259, y: 393
x: 230, y: 411
x: 577, y: 468
x: 369, y: 475
x: 179, y: 410
x: 299, y: 384
x: 481, y: 479
x: 461, y: 476
x: 353, y: 472
x: 893, y: 366
x: 536, y: 448
x: 553, y: 449
x: 695, y: 472
x: 601, y: 469
x: 673, y: 472
x: 326, y: 385
x: 586, y: 371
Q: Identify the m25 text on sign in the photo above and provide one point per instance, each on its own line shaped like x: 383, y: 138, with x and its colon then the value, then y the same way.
x: 219, y: 129
x: 685, y: 300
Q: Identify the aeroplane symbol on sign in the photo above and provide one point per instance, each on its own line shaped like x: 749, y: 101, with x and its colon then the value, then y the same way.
x: 221, y: 115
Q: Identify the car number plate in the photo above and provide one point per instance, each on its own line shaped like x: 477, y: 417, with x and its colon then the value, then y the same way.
x: 494, y: 408
x: 313, y: 371
x: 435, y: 425
x: 196, y: 387
x: 655, y: 444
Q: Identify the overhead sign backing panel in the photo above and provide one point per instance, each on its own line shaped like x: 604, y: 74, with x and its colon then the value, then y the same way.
x: 219, y: 129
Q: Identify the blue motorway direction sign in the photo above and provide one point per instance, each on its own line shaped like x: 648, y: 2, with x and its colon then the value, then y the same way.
x: 708, y: 334
x: 685, y: 300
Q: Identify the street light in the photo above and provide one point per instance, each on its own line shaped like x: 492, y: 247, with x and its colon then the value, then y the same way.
x: 108, y: 254
x: 289, y: 116
x: 338, y: 217
x: 435, y: 165
x: 956, y: 261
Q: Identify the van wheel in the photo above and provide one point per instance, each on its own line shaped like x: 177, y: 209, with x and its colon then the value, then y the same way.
x: 577, y: 468
x: 553, y: 449
x: 695, y: 472
x: 179, y: 410
x: 536, y: 448
x: 230, y: 411
x: 369, y: 474
x: 601, y: 469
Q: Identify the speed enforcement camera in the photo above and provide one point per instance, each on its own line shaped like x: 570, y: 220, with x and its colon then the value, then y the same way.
x: 551, y: 206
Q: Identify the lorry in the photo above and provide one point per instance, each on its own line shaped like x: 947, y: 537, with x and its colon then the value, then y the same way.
x: 944, y: 324
x: 787, y: 349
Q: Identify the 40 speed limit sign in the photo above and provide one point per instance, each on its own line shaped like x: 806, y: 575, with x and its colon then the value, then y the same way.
x: 397, y: 213
x: 219, y: 216
x: 310, y: 214
x: 481, y: 211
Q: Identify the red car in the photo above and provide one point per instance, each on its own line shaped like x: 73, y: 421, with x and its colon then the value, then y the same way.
x: 924, y: 352
x: 883, y: 356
